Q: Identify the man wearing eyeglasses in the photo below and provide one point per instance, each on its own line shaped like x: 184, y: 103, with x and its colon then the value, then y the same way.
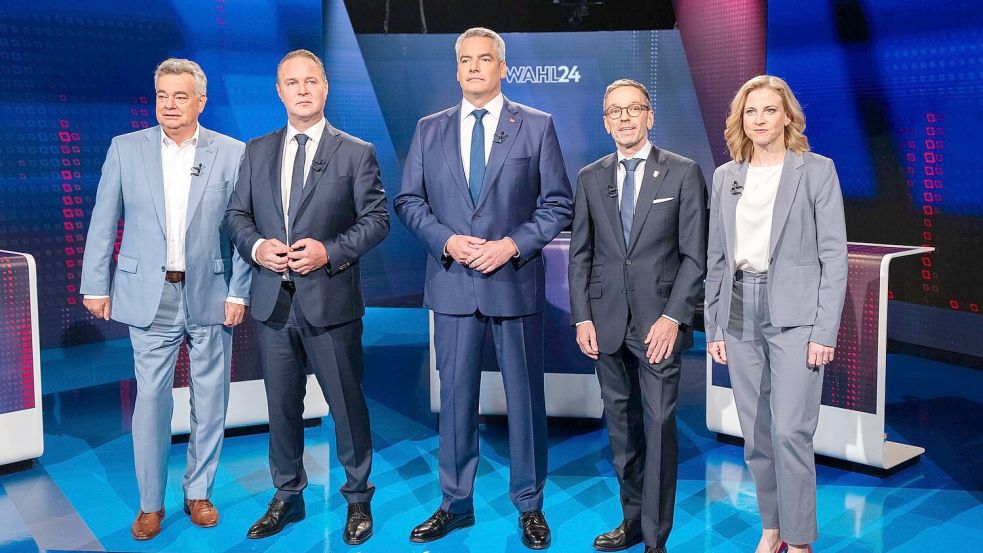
x: 637, y: 261
x: 178, y: 280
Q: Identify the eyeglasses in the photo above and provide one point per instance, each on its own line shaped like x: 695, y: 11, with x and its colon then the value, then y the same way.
x: 634, y: 110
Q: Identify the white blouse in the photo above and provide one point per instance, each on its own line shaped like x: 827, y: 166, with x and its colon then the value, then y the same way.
x: 752, y: 240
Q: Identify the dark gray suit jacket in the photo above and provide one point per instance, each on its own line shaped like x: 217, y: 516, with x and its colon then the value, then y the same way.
x: 661, y: 271
x: 343, y: 205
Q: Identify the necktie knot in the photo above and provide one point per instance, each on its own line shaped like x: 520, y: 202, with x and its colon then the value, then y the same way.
x: 631, y: 164
x: 302, y: 139
x: 479, y: 113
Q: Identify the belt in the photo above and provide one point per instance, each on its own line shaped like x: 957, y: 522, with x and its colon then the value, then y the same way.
x: 174, y: 276
x: 739, y: 275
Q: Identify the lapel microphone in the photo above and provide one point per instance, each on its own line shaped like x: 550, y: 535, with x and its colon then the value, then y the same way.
x: 612, y: 191
x: 318, y: 165
x: 499, y: 137
x: 736, y: 189
x: 196, y: 170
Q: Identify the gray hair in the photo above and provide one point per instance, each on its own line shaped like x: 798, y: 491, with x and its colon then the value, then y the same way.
x: 481, y: 32
x: 626, y: 82
x: 180, y: 66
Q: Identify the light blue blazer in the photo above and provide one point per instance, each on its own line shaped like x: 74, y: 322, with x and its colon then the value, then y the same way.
x: 807, y: 271
x: 131, y: 186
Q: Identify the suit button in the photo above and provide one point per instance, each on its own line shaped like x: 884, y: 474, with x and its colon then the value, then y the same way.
x: 624, y: 290
x: 476, y: 216
x: 283, y: 229
x: 628, y: 262
x: 163, y: 269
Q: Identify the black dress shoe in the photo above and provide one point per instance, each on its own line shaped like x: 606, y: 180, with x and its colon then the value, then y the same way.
x: 655, y: 549
x: 627, y: 534
x: 358, y: 525
x: 278, y: 515
x: 439, y: 525
x: 535, y: 531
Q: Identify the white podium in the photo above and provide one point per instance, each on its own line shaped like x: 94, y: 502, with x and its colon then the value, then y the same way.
x: 21, y: 430
x: 851, y: 417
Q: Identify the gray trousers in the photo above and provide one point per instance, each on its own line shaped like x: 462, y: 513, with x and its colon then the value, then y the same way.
x: 777, y: 399
x: 155, y: 352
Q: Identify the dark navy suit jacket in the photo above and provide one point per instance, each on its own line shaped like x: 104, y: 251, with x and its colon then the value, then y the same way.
x: 525, y: 195
x: 343, y: 206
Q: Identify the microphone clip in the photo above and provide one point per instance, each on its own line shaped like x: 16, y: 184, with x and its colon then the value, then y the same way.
x: 612, y: 192
x: 196, y: 170
x: 499, y: 137
x: 318, y: 165
x: 736, y: 189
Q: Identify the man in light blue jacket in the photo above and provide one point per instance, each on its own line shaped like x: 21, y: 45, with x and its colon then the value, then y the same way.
x: 177, y: 279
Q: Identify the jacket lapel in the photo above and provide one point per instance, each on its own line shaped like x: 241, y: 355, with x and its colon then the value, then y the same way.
x: 451, y: 144
x: 655, y: 173
x: 275, y: 159
x: 508, y: 127
x: 204, y: 158
x: 788, y: 185
x: 326, y: 147
x: 153, y: 166
x: 728, y: 204
x: 606, y: 180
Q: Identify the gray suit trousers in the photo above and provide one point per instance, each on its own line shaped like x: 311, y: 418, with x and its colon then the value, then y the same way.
x: 777, y: 398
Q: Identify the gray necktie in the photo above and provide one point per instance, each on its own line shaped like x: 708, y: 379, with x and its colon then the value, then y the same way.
x: 628, y: 196
x: 297, y: 180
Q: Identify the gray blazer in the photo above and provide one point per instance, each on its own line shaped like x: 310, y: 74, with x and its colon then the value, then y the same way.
x: 660, y: 271
x: 807, y: 271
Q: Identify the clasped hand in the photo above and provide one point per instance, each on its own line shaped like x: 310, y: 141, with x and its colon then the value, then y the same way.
x: 479, y: 254
x: 302, y: 257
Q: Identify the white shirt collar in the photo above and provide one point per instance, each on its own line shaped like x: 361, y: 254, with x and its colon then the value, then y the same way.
x: 494, y: 107
x: 166, y: 140
x: 642, y: 154
x: 313, y: 132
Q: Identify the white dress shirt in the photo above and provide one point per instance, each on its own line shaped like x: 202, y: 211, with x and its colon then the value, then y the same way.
x: 755, y: 207
x: 642, y: 154
x: 490, y: 122
x: 176, y: 161
x: 313, y: 133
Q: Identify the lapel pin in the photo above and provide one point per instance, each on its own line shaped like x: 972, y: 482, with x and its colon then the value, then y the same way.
x: 512, y: 119
x: 655, y: 173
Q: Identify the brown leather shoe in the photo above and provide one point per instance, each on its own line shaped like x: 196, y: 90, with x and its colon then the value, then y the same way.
x: 202, y: 512
x: 147, y: 525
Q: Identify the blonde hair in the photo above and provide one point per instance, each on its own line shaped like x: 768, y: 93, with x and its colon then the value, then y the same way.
x: 739, y: 144
x: 301, y: 53
x: 181, y: 66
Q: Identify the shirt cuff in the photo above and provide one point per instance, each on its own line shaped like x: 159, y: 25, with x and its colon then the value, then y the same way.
x: 256, y: 247
x: 91, y: 297
x: 670, y: 318
x: 582, y: 322
x: 240, y: 301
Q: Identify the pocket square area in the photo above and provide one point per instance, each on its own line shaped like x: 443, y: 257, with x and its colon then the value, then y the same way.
x: 660, y: 200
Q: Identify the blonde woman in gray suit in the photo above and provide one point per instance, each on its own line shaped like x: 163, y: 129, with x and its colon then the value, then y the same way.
x: 776, y: 280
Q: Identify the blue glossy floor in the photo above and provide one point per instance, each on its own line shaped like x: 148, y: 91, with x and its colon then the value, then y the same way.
x: 81, y: 494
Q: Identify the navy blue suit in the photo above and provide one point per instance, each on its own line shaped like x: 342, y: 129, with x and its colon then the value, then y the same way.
x: 525, y: 196
x: 317, y: 322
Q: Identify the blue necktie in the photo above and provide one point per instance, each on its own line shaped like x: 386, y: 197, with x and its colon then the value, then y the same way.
x: 297, y: 180
x: 477, y: 169
x: 628, y: 196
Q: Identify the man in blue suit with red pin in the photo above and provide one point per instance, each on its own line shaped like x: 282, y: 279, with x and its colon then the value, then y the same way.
x: 485, y: 189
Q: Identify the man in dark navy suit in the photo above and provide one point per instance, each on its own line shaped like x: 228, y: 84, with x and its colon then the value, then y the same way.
x: 485, y: 189
x: 308, y: 205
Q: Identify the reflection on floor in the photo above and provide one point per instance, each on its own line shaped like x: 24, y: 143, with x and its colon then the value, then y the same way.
x: 81, y: 494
